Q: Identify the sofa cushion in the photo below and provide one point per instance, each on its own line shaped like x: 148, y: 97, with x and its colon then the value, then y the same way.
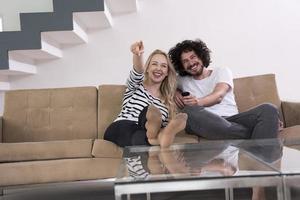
x: 1, y: 119
x: 183, y: 138
x: 106, y: 149
x: 27, y: 151
x: 36, y: 172
x: 290, y: 134
x: 110, y: 103
x: 50, y: 114
x: 255, y: 90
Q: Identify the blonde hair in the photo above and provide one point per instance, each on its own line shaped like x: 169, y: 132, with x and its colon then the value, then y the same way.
x: 168, y: 85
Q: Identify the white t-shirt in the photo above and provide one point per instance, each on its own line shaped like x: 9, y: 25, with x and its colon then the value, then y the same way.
x: 204, y: 87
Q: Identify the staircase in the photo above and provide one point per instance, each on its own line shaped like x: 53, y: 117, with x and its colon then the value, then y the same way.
x: 44, y: 35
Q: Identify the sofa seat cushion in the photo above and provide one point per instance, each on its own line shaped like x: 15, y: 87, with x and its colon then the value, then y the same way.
x: 11, y: 152
x: 291, y: 133
x: 184, y: 138
x: 106, y: 149
x: 291, y: 136
x: 47, y: 171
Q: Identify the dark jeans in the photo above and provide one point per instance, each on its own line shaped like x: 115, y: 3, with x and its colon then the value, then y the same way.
x: 128, y: 133
x: 257, y: 123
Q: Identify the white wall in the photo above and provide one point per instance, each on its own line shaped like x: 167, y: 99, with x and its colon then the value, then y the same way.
x: 10, y: 10
x: 1, y: 23
x: 250, y: 37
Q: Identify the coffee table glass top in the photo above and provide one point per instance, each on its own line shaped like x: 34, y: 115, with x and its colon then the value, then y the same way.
x: 205, y: 160
x: 289, y: 163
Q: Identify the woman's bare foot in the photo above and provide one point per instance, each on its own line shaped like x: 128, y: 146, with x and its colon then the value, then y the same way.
x: 153, y: 123
x: 167, y: 135
x: 154, y: 164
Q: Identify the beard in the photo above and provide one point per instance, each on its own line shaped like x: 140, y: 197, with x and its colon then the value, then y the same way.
x: 197, y: 73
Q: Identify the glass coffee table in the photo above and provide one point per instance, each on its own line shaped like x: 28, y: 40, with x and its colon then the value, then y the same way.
x: 206, y: 165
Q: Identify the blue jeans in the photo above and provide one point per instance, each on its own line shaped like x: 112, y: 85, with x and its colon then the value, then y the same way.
x: 257, y: 123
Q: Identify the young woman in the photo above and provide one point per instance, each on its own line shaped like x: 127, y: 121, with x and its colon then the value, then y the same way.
x: 148, y: 112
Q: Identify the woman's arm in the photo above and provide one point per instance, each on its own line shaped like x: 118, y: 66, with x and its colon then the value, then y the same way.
x: 137, y: 50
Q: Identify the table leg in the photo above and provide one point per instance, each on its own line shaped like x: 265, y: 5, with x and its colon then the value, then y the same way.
x: 148, y: 196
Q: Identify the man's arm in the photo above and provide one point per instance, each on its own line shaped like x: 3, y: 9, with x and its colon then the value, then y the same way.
x: 213, y: 98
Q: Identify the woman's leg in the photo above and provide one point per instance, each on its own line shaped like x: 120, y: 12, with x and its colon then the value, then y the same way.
x: 153, y: 123
x: 166, y: 135
x: 122, y: 133
x: 150, y: 119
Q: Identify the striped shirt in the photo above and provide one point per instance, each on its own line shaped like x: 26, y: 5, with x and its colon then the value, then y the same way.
x: 135, y: 168
x: 136, y: 98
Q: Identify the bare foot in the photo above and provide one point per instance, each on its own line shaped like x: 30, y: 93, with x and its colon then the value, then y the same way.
x: 258, y: 193
x: 154, y: 164
x: 153, y: 123
x: 177, y: 124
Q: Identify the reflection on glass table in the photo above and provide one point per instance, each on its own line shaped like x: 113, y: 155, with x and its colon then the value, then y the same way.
x: 289, y: 167
x: 203, y: 166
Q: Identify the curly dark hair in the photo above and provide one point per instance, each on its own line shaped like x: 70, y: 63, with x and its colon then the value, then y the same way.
x: 198, y: 46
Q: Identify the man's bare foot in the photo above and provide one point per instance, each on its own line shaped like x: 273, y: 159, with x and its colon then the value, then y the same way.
x: 167, y: 135
x: 153, y: 123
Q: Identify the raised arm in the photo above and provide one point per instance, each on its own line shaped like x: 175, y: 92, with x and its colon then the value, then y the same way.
x: 137, y: 50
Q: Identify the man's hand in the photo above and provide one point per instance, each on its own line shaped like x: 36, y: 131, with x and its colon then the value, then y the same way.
x: 178, y: 99
x: 191, y: 100
x: 280, y: 125
x: 137, y: 48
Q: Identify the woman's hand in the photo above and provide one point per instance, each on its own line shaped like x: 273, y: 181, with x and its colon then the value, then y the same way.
x: 137, y: 48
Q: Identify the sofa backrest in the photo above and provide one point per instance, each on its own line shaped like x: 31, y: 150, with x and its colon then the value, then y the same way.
x: 50, y: 114
x: 109, y: 105
x: 254, y: 90
x: 249, y: 92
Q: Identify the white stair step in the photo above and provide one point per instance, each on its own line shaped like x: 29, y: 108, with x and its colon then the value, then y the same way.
x: 18, y: 68
x: 117, y: 7
x: 47, y: 52
x: 63, y: 38
x: 94, y: 20
x: 4, y: 86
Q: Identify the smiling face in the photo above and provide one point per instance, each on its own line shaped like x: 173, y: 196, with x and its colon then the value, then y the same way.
x: 158, y: 68
x: 191, y: 63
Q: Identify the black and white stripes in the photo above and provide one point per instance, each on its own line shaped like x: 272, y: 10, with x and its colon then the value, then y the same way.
x: 135, y: 167
x: 136, y: 98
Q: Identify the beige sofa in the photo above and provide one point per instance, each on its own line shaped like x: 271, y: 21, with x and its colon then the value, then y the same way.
x: 55, y: 135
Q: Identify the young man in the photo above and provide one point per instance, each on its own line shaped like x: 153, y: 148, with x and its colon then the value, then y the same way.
x: 206, y: 95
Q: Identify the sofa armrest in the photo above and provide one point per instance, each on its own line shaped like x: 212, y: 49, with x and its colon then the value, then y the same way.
x: 291, y: 113
x: 1, y: 129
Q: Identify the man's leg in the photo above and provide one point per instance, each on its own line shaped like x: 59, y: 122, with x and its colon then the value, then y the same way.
x: 261, y: 120
x: 211, y: 126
